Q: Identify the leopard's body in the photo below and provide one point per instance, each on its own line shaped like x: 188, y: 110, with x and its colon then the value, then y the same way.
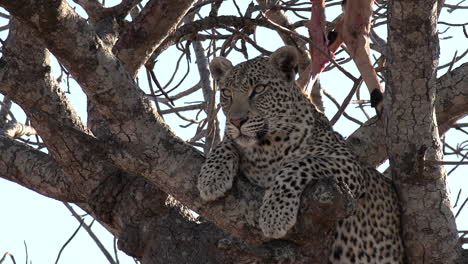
x: 280, y: 141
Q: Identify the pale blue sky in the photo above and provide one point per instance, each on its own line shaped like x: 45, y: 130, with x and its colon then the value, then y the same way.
x: 45, y: 224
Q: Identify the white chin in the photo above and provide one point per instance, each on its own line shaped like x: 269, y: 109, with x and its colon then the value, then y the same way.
x: 245, y: 141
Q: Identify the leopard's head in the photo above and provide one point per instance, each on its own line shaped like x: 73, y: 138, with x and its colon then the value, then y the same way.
x: 256, y: 93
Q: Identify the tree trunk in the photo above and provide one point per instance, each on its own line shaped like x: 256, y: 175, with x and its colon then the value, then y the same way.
x: 412, y: 137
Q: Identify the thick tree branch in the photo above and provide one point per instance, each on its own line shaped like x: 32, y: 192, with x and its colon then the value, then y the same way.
x: 84, y: 152
x: 26, y: 64
x: 236, y: 213
x: 26, y: 78
x: 452, y: 97
x: 168, y: 162
x: 153, y: 24
x: 101, y: 75
x: 111, y: 191
x: 90, y: 179
x: 156, y: 153
x: 127, y: 203
x: 35, y: 170
x: 451, y: 104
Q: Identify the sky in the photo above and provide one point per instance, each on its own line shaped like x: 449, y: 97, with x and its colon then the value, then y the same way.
x: 45, y: 224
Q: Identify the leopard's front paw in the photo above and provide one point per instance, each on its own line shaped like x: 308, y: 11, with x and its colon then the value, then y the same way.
x: 212, y: 188
x: 277, y: 215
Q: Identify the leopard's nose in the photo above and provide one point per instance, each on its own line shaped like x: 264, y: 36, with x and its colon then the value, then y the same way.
x: 238, y: 122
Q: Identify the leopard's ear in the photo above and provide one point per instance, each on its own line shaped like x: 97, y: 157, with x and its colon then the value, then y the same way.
x: 286, y: 60
x: 219, y: 66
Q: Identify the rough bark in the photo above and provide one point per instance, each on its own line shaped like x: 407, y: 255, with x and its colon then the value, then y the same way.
x: 98, y: 185
x: 150, y: 28
x: 451, y: 104
x: 122, y: 178
x: 143, y: 144
x: 412, y: 138
x: 34, y: 170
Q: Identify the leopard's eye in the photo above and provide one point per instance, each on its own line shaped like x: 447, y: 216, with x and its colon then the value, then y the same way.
x: 226, y: 93
x: 258, y: 90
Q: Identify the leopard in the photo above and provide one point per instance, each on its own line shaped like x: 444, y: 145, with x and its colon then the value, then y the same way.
x: 278, y: 139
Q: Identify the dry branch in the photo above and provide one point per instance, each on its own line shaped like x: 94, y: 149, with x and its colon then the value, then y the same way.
x: 146, y: 33
x: 91, y: 233
x: 114, y: 176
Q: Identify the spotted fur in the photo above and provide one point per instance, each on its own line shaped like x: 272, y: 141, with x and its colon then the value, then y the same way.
x: 280, y: 141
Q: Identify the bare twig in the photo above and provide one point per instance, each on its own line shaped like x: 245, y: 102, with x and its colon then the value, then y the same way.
x: 91, y: 234
x: 458, y: 125
x: 458, y: 198
x: 2, y: 28
x: 186, y: 92
x: 66, y: 74
x: 207, y: 89
x: 327, y: 94
x: 452, y: 8
x: 439, y: 162
x: 462, y: 159
x: 360, y: 103
x: 183, y: 108
x: 3, y: 15
x: 116, y: 255
x: 237, y: 8
x: 67, y: 242
x: 456, y: 59
x: 453, y: 61
x: 461, y: 207
x: 26, y: 251
x: 346, y: 102
x: 453, y: 24
x: 155, y: 80
x: 6, y: 255
x: 197, y: 6
x: 183, y: 77
x: 38, y: 144
x: 150, y: 85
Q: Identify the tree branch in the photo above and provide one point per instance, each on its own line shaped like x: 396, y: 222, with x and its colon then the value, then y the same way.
x: 451, y: 104
x: 125, y: 202
x: 103, y: 78
x: 188, y: 31
x: 91, y: 233
x: 35, y: 170
x: 26, y: 78
x: 28, y: 66
x: 154, y: 23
